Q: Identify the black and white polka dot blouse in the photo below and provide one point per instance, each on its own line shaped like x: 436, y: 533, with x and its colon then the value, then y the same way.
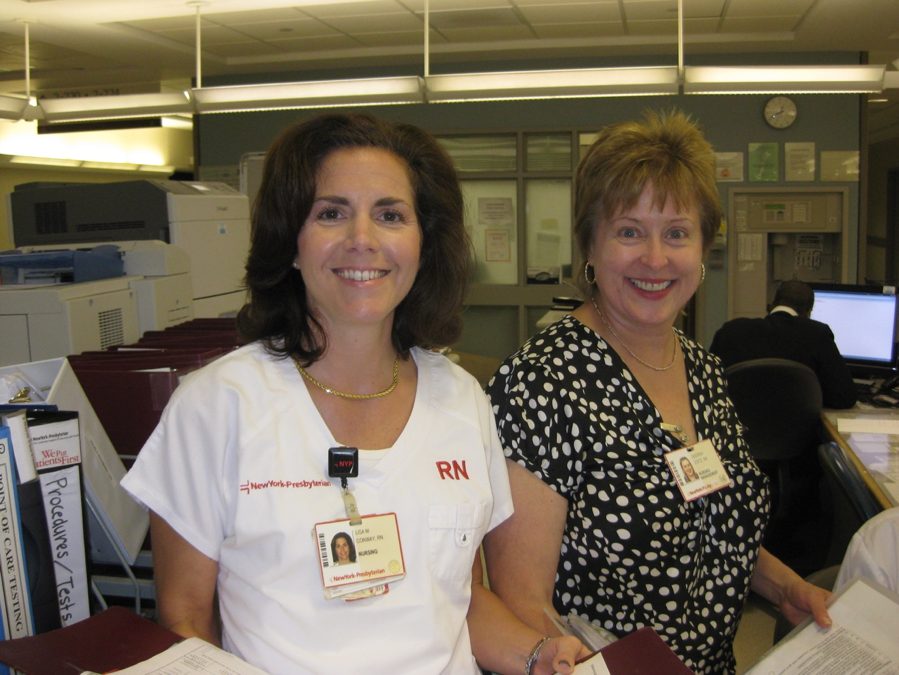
x: 634, y: 553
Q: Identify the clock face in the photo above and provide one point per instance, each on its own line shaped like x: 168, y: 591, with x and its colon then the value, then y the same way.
x: 780, y: 112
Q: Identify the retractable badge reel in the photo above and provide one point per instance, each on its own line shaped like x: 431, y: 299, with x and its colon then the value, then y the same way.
x: 343, y: 463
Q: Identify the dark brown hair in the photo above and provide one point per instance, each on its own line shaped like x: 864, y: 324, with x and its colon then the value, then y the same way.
x: 666, y: 150
x: 278, y: 313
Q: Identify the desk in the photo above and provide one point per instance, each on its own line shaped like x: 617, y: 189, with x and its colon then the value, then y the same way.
x: 875, y: 455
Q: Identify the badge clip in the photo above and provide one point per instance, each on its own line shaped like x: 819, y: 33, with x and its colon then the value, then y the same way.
x: 343, y: 463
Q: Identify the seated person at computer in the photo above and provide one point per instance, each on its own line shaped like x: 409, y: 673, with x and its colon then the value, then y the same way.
x: 788, y: 333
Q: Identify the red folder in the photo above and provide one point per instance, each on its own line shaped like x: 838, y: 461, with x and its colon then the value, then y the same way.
x: 127, y: 395
x: 128, y: 403
x: 642, y: 652
x: 111, y: 640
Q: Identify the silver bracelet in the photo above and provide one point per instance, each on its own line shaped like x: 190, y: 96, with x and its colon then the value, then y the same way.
x: 532, y: 657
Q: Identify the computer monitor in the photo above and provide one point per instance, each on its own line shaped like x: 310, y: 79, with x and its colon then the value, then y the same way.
x: 863, y: 321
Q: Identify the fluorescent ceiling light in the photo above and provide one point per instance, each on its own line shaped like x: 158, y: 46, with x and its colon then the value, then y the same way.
x: 325, y: 93
x: 115, y: 166
x: 111, y: 107
x: 783, y: 79
x: 178, y: 122
x: 44, y: 161
x: 536, y: 84
x: 86, y: 164
x: 12, y: 107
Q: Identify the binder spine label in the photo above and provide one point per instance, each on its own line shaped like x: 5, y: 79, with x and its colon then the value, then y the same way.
x: 56, y: 445
x: 16, y: 611
x: 62, y: 503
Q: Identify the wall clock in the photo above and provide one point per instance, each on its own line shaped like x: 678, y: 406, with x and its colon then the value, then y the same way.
x: 780, y: 112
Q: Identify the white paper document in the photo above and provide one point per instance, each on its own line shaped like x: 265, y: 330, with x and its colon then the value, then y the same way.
x: 189, y: 657
x: 879, y: 453
x: 871, y: 426
x: 861, y: 641
x: 595, y: 665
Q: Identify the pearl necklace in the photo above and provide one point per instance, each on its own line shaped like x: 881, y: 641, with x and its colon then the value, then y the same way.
x: 631, y: 351
x: 353, y: 397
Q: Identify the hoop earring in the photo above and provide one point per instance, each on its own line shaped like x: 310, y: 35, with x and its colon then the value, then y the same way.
x: 702, y: 276
x: 587, y: 278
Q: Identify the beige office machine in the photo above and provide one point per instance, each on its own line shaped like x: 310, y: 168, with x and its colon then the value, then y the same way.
x: 780, y: 234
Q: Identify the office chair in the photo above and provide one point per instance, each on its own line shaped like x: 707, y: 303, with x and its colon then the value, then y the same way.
x: 779, y: 404
x: 853, y: 505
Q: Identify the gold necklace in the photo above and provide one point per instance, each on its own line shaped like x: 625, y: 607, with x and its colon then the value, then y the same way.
x: 354, y: 397
x: 631, y: 351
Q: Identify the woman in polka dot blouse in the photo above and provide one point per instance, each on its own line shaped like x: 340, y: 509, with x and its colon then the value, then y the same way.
x: 588, y: 409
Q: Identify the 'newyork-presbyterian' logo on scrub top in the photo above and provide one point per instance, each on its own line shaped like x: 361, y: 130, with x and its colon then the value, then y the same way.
x: 289, y: 484
x: 452, y: 471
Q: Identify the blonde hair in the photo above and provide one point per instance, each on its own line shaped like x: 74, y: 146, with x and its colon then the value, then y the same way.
x: 666, y: 150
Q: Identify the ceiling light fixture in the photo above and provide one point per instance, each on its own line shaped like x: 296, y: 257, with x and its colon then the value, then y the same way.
x: 156, y: 168
x: 784, y: 80
x: 490, y: 86
x: 321, y: 94
x: 112, y: 166
x: 12, y: 107
x: 85, y: 164
x: 113, y: 107
x: 45, y: 161
x: 178, y: 122
x: 537, y: 84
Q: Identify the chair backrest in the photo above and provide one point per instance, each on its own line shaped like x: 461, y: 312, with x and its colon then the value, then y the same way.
x: 779, y: 404
x: 853, y: 505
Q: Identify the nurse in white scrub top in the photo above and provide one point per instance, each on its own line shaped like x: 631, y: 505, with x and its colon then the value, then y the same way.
x: 339, y: 416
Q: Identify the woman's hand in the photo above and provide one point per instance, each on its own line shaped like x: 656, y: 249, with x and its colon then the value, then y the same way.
x: 558, y: 655
x: 800, y: 598
x: 795, y: 597
x: 501, y: 643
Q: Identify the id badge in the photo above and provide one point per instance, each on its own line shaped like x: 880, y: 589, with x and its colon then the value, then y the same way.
x: 355, y: 558
x: 697, y: 470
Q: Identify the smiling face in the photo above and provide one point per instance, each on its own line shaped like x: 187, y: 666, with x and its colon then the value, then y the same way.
x: 359, y: 247
x: 647, y: 264
x: 687, y: 468
x: 342, y: 547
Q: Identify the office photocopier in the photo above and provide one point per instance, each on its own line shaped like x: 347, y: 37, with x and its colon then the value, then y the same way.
x: 180, y: 249
x: 209, y: 221
x: 56, y: 301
